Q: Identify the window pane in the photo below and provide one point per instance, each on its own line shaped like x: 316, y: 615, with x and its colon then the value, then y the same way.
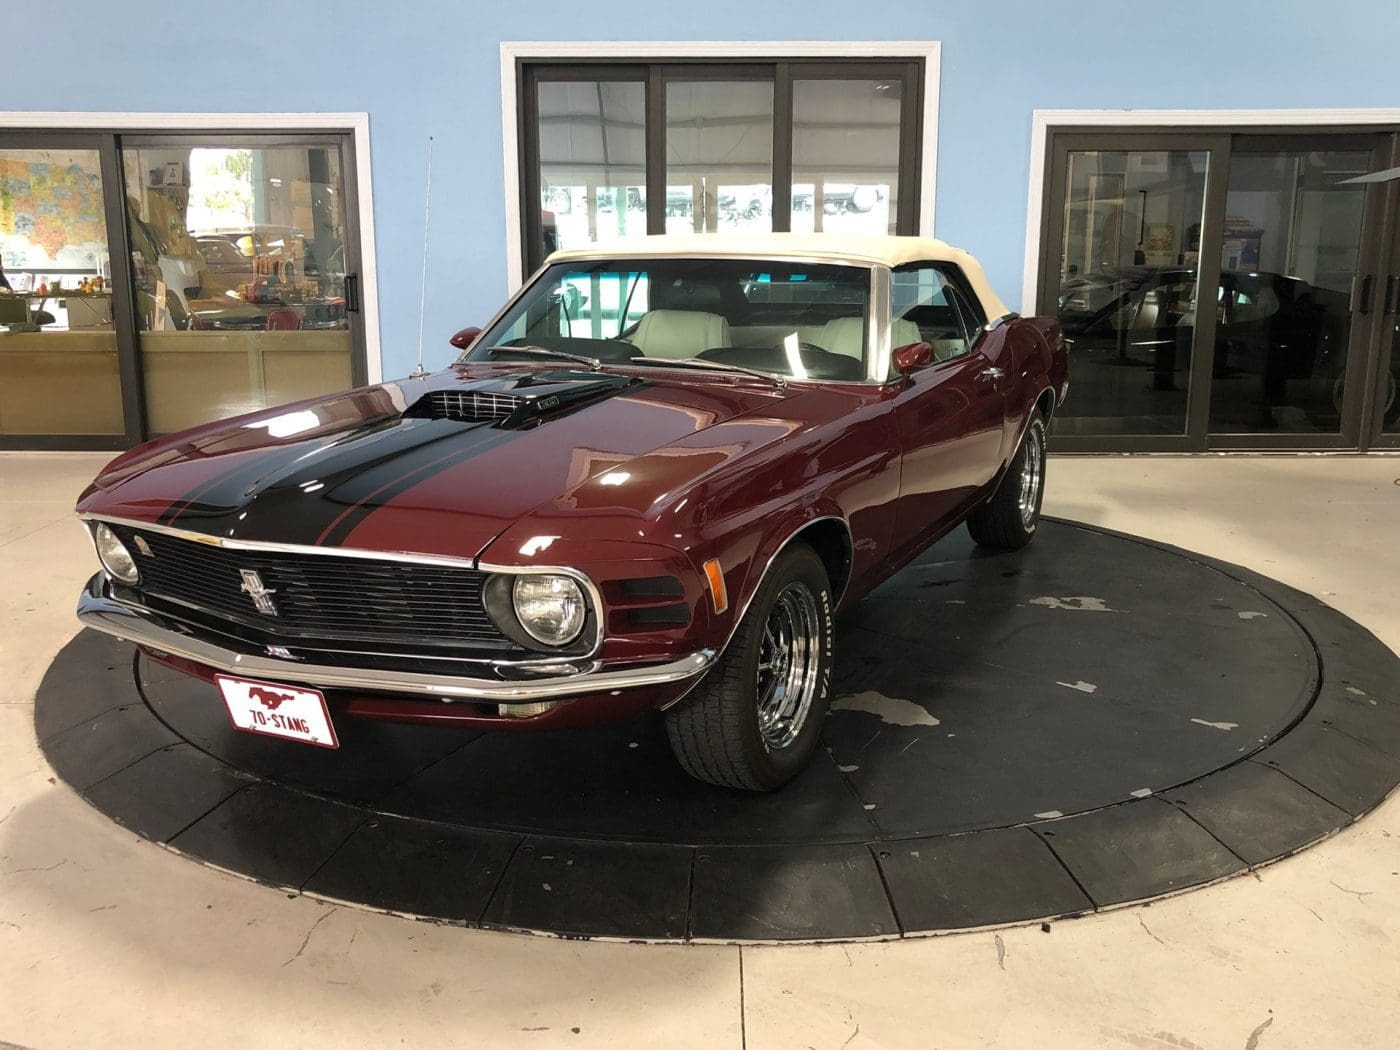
x: 719, y: 156
x: 592, y: 137
x: 1127, y: 288
x: 845, y: 155
x: 1283, y: 310
x: 58, y: 352
x: 238, y: 259
x: 925, y: 310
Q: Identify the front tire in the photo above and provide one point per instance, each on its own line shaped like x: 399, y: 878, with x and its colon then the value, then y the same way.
x: 753, y: 722
x: 1008, y: 519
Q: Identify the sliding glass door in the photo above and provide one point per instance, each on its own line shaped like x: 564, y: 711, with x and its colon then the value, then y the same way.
x: 154, y: 282
x: 240, y: 259
x: 1220, y: 291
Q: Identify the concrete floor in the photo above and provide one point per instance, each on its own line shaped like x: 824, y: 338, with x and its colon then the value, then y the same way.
x: 106, y: 940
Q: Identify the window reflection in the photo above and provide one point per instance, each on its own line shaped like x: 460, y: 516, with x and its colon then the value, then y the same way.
x: 845, y: 155
x: 1129, y: 255
x: 239, y: 274
x: 1283, y: 311
x: 592, y: 142
x: 719, y: 156
x: 58, y: 349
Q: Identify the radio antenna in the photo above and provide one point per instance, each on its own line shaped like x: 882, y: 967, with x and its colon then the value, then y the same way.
x: 420, y: 372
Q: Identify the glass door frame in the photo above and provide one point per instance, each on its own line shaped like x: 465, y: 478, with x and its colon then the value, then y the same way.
x: 1385, y: 311
x: 655, y: 74
x: 1361, y: 425
x: 1363, y: 331
x: 109, y: 142
x: 123, y: 299
x: 341, y: 142
x: 1216, y: 147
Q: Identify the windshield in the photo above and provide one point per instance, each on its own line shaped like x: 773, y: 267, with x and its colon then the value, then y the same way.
x: 797, y: 320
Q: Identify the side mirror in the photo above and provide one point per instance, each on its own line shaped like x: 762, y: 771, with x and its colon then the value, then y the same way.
x: 465, y: 337
x: 912, y: 357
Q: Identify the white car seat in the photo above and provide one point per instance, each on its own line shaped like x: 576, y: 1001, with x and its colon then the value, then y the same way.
x: 846, y: 335
x: 680, y: 333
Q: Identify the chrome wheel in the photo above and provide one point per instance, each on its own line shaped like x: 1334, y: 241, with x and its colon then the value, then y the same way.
x: 789, y: 664
x: 1032, y: 474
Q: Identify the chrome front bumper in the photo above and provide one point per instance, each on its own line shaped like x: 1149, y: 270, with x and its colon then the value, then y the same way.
x: 100, y: 611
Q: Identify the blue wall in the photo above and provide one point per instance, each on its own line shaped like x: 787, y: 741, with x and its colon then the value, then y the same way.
x: 423, y: 67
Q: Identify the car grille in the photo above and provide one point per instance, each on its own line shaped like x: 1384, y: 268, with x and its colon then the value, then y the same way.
x: 318, y: 598
x: 468, y: 406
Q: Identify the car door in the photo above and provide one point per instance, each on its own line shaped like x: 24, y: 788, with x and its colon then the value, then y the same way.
x: 951, y: 413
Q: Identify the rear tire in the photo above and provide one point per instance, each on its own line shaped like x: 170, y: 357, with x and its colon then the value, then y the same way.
x: 755, y: 719
x: 1008, y: 519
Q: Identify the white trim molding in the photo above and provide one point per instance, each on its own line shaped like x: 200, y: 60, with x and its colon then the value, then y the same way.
x: 357, y: 124
x: 1042, y: 120
x: 514, y: 51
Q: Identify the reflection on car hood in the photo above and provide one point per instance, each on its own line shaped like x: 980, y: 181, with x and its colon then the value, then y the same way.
x: 385, y: 469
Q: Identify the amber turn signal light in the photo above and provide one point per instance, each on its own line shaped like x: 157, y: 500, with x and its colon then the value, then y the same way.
x: 718, y: 594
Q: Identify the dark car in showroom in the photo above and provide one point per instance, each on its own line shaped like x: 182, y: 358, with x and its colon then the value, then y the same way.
x: 1279, y: 340
x: 655, y: 501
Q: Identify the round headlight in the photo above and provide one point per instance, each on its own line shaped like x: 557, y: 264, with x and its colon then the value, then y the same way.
x: 115, y: 558
x: 550, y: 608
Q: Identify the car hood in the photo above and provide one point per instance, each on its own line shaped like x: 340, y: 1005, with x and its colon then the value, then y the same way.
x: 381, y: 469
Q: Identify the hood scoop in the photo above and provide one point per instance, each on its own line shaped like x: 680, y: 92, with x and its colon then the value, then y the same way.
x: 517, y: 399
x: 467, y: 406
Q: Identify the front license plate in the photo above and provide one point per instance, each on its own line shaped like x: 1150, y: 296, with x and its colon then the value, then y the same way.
x: 289, y: 711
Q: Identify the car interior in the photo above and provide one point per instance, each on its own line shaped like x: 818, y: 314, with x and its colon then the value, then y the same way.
x: 736, y: 312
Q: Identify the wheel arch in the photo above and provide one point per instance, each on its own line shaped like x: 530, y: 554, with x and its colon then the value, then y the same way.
x: 829, y: 536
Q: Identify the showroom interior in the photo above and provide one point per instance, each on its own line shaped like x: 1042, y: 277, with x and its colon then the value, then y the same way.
x: 1126, y: 785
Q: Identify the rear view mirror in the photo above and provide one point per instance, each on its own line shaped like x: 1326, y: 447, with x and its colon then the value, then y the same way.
x: 912, y: 357
x: 465, y: 337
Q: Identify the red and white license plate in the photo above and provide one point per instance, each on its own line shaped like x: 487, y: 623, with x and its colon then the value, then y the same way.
x: 289, y: 711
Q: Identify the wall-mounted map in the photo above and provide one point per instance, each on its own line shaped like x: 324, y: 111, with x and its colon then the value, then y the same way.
x: 51, y: 210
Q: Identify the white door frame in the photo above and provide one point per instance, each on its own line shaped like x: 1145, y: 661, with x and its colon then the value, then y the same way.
x: 1184, y: 119
x: 355, y: 123
x: 512, y: 51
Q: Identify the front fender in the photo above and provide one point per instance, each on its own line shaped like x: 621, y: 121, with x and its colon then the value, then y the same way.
x: 769, y: 540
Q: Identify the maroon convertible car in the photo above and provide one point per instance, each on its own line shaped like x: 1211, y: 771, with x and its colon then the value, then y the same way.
x: 647, y: 485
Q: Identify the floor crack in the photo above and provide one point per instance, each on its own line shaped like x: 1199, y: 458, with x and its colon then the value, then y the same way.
x: 1360, y: 895
x: 1149, y: 932
x: 307, y: 939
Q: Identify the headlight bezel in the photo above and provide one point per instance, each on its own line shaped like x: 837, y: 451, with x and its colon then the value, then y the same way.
x: 498, y: 597
x: 115, y: 551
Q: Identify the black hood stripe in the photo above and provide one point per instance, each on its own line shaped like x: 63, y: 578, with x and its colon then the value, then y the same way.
x: 344, y: 523
x: 316, y: 500
x: 228, y: 489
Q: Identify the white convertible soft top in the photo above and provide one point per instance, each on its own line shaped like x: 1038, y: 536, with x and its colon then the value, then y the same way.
x: 819, y: 247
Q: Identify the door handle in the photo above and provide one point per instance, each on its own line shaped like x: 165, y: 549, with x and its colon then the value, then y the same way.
x: 992, y: 373
x: 352, y: 293
x: 1392, y: 301
x: 1361, y: 294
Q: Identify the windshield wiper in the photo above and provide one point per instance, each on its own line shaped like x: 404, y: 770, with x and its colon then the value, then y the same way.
x: 716, y: 366
x: 542, y: 351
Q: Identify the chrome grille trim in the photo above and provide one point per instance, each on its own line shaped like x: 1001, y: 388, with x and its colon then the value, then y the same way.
x: 290, y: 548
x: 320, y: 599
x: 598, y: 611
